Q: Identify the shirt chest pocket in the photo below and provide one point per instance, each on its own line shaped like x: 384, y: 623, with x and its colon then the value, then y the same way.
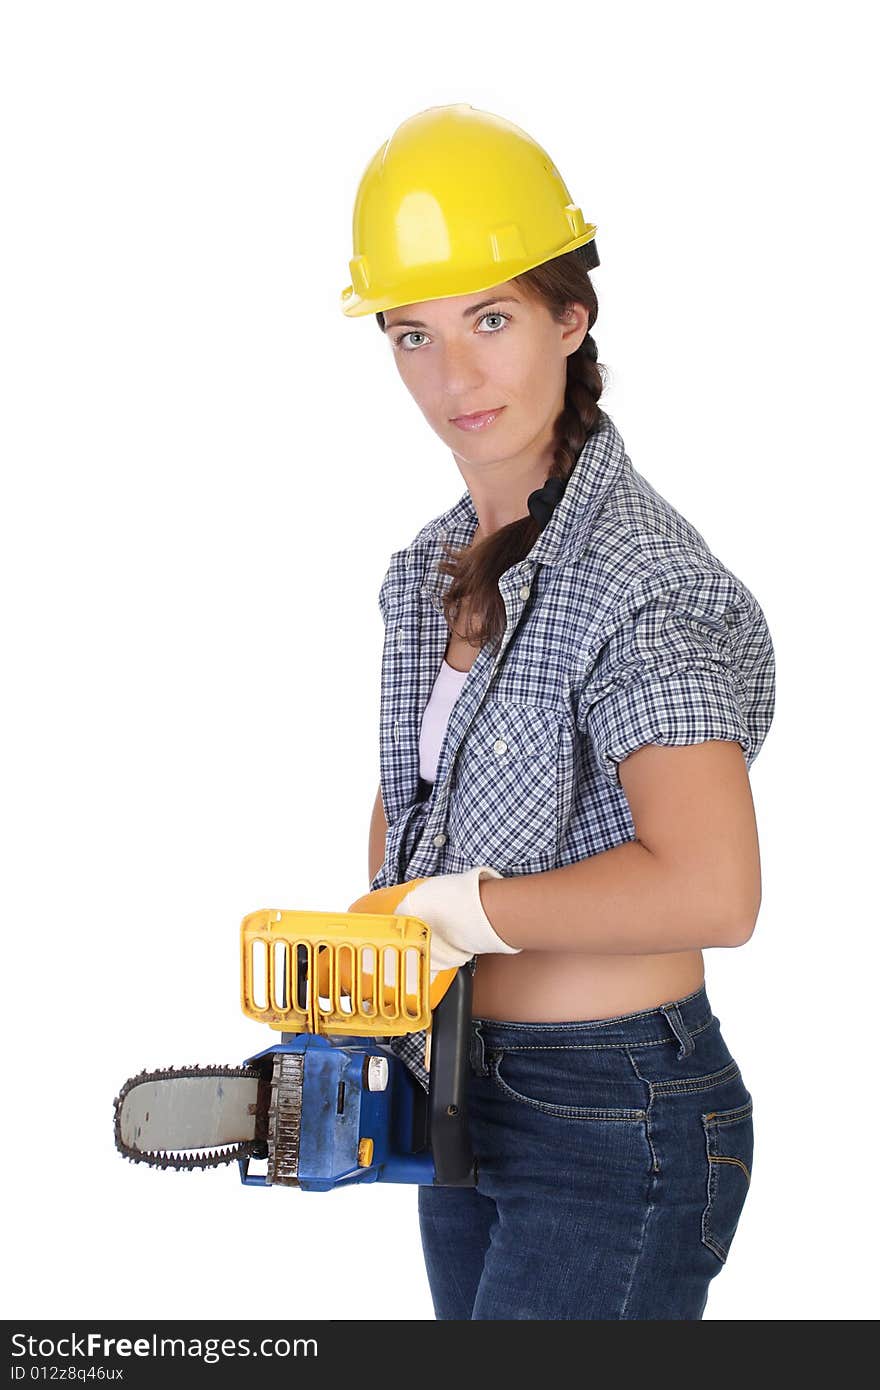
x: 504, y: 795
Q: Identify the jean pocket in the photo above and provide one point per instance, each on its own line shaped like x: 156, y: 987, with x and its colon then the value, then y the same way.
x: 729, y: 1140
x: 573, y: 1084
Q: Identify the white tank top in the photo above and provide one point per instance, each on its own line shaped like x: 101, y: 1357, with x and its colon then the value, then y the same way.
x: 444, y: 694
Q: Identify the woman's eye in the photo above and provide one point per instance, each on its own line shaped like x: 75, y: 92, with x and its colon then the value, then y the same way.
x: 415, y: 333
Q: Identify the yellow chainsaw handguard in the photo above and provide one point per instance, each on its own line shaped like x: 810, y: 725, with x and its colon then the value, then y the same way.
x: 367, y: 971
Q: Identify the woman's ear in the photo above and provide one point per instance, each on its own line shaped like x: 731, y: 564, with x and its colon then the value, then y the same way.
x: 578, y: 316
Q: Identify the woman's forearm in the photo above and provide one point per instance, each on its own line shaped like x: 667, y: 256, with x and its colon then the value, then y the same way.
x: 622, y: 901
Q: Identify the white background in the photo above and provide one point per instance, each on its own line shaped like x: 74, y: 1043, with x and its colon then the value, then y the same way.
x: 206, y: 466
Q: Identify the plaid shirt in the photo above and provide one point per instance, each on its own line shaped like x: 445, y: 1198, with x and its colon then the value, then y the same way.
x: 622, y: 629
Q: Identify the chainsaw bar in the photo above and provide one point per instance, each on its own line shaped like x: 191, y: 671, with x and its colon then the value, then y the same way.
x: 192, y: 1117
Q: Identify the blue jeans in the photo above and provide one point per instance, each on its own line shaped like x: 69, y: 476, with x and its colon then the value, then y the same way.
x: 614, y: 1158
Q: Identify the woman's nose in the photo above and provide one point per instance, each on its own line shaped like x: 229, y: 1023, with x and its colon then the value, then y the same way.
x: 462, y: 373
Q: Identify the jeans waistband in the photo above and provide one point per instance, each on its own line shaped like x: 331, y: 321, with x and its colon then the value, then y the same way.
x: 678, y: 1019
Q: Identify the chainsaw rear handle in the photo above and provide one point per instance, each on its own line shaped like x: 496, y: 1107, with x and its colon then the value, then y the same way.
x: 451, y: 994
x: 454, y: 1162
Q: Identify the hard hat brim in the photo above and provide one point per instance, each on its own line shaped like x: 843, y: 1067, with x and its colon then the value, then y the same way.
x: 424, y: 287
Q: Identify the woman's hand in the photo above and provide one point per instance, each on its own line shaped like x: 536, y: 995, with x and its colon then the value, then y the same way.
x: 451, y: 906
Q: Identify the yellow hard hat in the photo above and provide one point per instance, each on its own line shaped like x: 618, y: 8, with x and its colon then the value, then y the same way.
x: 457, y: 200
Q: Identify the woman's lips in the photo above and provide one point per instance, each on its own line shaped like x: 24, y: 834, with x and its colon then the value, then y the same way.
x: 478, y: 421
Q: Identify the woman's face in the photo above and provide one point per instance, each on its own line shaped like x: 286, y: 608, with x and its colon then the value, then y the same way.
x: 493, y: 349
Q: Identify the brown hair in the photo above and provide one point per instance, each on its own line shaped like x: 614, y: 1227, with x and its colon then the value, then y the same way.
x: 476, y: 571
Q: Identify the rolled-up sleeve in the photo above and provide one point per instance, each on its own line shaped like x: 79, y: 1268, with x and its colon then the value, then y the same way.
x: 683, y: 661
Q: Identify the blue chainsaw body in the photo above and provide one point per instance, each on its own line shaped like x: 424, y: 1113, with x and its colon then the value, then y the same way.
x: 339, y: 1111
x: 349, y: 1133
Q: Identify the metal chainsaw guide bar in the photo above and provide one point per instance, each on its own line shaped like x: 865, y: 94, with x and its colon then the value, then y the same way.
x: 166, y: 1157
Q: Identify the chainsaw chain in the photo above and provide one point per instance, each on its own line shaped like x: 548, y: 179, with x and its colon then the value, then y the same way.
x: 161, y: 1158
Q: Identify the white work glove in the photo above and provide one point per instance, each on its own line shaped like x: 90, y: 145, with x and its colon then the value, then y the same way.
x: 451, y: 906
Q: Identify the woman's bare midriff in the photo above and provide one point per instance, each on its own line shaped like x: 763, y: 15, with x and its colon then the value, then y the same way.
x: 557, y: 987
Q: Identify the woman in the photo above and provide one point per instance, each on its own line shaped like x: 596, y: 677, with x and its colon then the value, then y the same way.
x: 573, y: 689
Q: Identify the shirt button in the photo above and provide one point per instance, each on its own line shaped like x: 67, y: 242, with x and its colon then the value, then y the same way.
x: 440, y: 839
x: 525, y: 591
x: 499, y: 746
x: 399, y: 638
x: 397, y: 730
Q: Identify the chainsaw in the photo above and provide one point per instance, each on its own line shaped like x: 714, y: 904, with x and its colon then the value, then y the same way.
x: 330, y: 1103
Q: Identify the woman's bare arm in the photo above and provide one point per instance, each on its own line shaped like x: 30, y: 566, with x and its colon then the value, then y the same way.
x: 378, y: 831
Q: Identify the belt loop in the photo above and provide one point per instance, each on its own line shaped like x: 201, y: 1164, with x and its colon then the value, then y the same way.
x: 478, y: 1051
x: 676, y: 1022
